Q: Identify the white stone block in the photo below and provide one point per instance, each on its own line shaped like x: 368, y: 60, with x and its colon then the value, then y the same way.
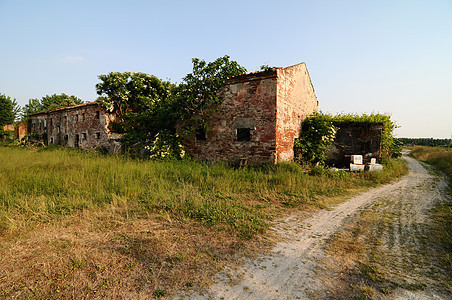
x: 356, y: 167
x: 357, y: 159
x: 373, y: 161
x: 375, y: 167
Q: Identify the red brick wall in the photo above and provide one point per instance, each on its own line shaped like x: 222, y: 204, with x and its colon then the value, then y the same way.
x: 274, y: 102
x: 21, y: 130
x: 8, y: 127
x: 296, y: 100
x: 248, y: 101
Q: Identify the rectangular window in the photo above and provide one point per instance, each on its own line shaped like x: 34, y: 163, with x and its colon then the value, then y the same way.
x: 83, y: 117
x: 76, y: 118
x: 201, y: 135
x: 83, y: 136
x: 97, y: 114
x: 98, y: 135
x: 243, y: 134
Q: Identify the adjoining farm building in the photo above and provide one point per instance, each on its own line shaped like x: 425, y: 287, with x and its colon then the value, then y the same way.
x: 355, y: 138
x: 259, y: 118
x: 84, y: 126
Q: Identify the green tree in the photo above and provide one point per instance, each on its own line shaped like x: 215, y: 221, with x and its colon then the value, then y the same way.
x: 134, y: 98
x: 9, y: 110
x: 57, y: 101
x: 34, y: 106
x: 198, y: 93
x: 144, y: 111
x: 47, y: 103
x: 316, y: 137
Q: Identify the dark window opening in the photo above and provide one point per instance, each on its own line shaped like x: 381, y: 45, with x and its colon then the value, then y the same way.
x: 51, y: 140
x: 201, y: 135
x: 76, y: 118
x: 243, y: 134
x: 83, y: 117
x: 98, y: 135
x: 97, y: 114
x: 84, y: 136
x: 76, y: 142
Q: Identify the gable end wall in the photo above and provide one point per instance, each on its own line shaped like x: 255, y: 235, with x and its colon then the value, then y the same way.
x: 295, y: 100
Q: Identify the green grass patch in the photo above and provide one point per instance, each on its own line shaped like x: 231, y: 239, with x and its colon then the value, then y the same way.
x: 441, y: 158
x: 40, y: 186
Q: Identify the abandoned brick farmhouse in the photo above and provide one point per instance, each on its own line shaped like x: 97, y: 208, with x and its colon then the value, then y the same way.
x: 257, y: 122
x: 84, y: 126
x: 259, y: 118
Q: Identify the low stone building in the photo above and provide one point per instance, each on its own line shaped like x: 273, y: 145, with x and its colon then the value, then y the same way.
x: 84, y: 126
x: 259, y: 118
x: 355, y: 138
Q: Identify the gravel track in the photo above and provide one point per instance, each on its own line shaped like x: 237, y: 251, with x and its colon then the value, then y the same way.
x: 289, y: 270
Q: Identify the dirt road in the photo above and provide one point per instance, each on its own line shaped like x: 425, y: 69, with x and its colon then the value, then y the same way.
x: 293, y: 270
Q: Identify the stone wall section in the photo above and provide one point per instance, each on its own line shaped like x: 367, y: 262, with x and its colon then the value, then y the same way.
x: 38, y: 123
x: 249, y: 102
x: 355, y: 138
x: 296, y: 100
x: 84, y: 126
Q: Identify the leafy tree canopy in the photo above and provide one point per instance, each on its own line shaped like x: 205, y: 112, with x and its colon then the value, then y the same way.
x: 198, y: 92
x: 9, y: 110
x: 141, y: 103
x: 48, y: 103
x: 127, y: 92
x: 148, y: 109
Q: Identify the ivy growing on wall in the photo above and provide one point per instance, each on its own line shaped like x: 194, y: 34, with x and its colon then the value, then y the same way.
x: 316, y: 137
x: 318, y: 133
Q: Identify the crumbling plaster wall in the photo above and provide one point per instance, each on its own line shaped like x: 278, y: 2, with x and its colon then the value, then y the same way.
x: 84, y: 126
x: 271, y: 103
x: 296, y: 100
x: 249, y: 101
x: 38, y: 123
x: 22, y: 130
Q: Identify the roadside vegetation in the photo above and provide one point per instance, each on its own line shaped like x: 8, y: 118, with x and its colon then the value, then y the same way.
x: 387, y: 247
x: 93, y: 221
x: 440, y: 158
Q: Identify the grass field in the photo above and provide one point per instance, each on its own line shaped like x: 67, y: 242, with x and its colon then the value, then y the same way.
x: 441, y: 158
x: 38, y: 186
x: 111, y: 226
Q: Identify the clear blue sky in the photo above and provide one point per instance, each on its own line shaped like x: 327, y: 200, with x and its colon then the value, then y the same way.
x: 363, y: 56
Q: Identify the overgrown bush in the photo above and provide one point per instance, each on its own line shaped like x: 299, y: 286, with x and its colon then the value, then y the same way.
x: 316, y: 137
x: 6, y: 136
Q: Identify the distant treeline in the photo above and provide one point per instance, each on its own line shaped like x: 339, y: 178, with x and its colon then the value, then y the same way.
x: 426, y: 142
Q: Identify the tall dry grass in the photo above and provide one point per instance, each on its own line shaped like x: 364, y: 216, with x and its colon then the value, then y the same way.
x: 84, y: 225
x: 38, y: 186
x: 441, y: 158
